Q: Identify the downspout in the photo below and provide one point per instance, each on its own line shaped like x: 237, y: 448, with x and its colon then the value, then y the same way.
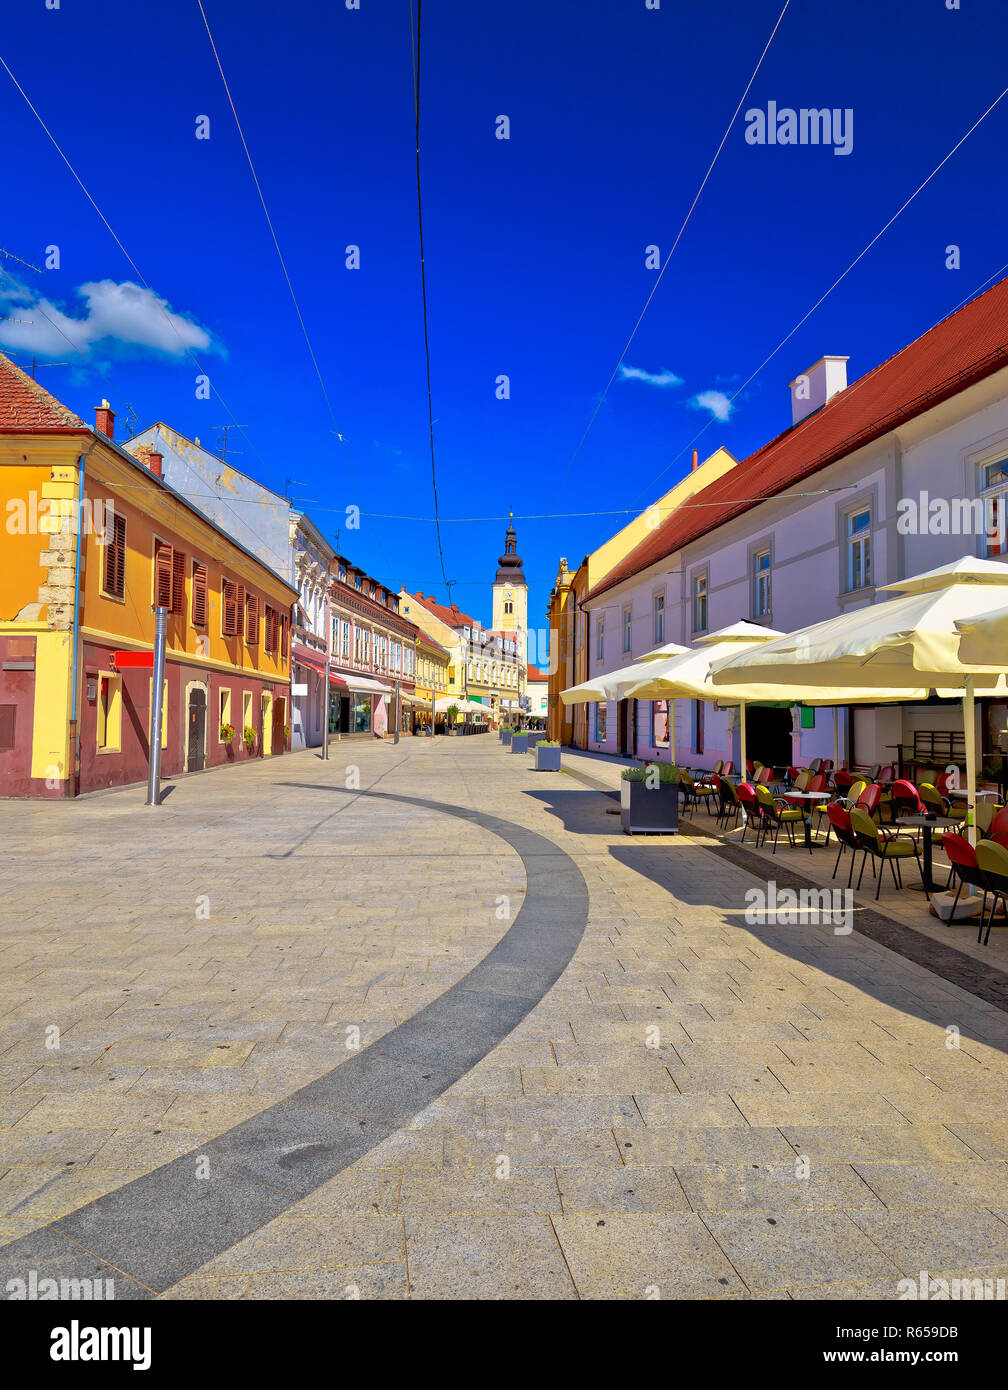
x: 74, y: 716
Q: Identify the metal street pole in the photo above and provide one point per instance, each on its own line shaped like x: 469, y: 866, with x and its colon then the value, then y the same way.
x: 395, y: 738
x: 328, y: 662
x: 157, y: 688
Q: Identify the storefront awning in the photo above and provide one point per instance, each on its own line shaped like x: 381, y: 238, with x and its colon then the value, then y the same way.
x: 364, y: 685
x: 315, y: 661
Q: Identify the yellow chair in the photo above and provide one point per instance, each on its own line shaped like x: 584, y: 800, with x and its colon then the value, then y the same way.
x: 992, y: 861
x: 777, y: 812
x: 884, y: 845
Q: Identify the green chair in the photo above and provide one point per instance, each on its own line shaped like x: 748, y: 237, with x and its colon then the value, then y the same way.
x: 884, y: 845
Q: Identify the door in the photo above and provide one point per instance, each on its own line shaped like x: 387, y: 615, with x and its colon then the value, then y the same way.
x: 622, y: 727
x: 279, y: 737
x: 196, y: 750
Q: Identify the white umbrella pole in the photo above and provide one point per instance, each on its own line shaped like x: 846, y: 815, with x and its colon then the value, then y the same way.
x: 969, y: 728
x: 671, y: 730
x: 744, y: 769
x: 836, y: 739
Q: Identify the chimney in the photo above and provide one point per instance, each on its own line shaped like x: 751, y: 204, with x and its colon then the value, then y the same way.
x: 811, y: 390
x: 146, y: 455
x: 104, y: 419
x: 696, y: 462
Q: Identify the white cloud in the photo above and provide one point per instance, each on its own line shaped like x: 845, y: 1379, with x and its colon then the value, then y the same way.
x: 719, y: 405
x: 122, y: 315
x: 664, y: 378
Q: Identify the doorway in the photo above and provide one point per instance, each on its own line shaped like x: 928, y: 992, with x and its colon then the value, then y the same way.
x: 768, y: 735
x: 279, y: 736
x: 622, y: 727
x: 196, y: 748
x: 267, y: 724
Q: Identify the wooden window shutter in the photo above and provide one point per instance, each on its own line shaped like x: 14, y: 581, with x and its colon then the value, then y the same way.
x: 252, y: 619
x: 229, y: 626
x: 269, y: 644
x: 162, y: 575
x: 284, y: 635
x: 115, y: 559
x: 178, y: 582
x: 8, y: 715
x: 199, y: 594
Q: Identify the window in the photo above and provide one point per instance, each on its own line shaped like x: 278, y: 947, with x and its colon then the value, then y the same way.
x: 600, y: 638
x: 994, y: 492
x: 345, y: 640
x: 114, y: 566
x: 600, y: 722
x: 508, y: 607
x: 761, y: 584
x: 700, y: 602
x: 270, y: 629
x: 232, y: 598
x: 859, y: 550
x: 8, y: 714
x: 246, y: 710
x: 223, y: 711
x: 627, y: 629
x: 109, y: 713
x: 659, y: 723
x: 659, y: 619
x: 199, y: 594
x: 252, y: 620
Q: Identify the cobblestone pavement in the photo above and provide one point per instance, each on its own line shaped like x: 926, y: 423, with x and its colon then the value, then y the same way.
x: 698, y: 1107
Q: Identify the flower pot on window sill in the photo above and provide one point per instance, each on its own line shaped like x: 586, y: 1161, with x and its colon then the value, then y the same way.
x: 649, y: 810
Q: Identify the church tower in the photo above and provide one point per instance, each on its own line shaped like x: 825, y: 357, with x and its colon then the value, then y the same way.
x: 510, y: 594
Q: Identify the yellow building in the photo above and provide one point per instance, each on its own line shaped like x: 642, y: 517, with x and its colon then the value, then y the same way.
x: 565, y: 615
x: 94, y: 540
x: 433, y: 676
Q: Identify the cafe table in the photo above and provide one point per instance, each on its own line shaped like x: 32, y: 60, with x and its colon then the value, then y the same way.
x: 929, y: 824
x: 811, y: 798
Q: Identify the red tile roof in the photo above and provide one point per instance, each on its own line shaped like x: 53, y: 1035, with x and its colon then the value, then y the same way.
x: 451, y: 617
x: 534, y: 674
x: 28, y: 408
x: 969, y: 345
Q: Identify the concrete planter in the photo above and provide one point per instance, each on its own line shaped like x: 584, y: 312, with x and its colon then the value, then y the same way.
x: 519, y: 743
x: 506, y: 736
x: 547, y: 759
x: 649, y: 810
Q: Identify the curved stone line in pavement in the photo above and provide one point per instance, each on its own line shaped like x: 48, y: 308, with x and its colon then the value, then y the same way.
x: 153, y: 1231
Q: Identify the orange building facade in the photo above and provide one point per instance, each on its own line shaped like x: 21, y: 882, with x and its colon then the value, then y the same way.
x: 93, y: 541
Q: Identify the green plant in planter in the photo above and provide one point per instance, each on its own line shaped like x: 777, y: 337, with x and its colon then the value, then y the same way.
x: 547, y: 743
x: 249, y: 735
x: 227, y: 733
x: 667, y: 773
x: 452, y: 712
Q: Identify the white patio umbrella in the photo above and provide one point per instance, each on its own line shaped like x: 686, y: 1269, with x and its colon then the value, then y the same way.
x: 908, y: 645
x: 610, y: 685
x: 688, y: 675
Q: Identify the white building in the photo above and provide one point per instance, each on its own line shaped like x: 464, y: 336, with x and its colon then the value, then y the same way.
x: 902, y: 470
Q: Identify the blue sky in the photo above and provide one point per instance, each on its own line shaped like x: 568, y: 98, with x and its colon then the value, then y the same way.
x: 535, y: 246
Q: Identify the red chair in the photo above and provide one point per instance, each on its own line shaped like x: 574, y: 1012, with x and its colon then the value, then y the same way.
x: 840, y: 824
x: 905, y: 799
x: 887, y: 773
x: 792, y: 774
x: 843, y: 781
x: 962, y: 857
x: 870, y: 799
x: 818, y: 783
x: 728, y: 768
x: 1001, y: 838
x: 946, y: 781
x: 999, y: 825
x: 826, y: 765
x: 751, y: 809
x: 750, y: 767
x: 765, y: 776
